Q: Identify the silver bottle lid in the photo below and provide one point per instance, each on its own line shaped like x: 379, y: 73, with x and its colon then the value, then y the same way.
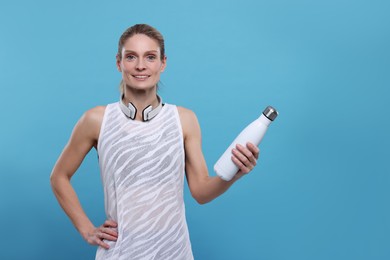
x: 270, y: 113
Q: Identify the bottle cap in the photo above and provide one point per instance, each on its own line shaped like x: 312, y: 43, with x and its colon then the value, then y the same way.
x: 270, y: 113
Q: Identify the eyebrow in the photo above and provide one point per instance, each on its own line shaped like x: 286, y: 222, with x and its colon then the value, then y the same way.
x: 130, y: 51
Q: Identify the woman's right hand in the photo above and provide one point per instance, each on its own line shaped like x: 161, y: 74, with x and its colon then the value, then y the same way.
x: 107, y: 231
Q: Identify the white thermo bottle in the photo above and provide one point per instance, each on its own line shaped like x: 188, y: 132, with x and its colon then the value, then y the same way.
x: 254, y: 133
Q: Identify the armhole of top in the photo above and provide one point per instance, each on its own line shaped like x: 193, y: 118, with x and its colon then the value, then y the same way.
x: 102, y: 126
x: 178, y: 120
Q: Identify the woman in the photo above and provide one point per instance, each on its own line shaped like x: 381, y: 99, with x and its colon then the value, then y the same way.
x: 144, y: 148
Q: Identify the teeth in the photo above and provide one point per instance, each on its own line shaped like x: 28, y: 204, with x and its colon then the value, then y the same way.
x: 141, y: 77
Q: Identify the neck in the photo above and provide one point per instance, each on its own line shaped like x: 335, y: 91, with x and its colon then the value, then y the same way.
x: 140, y: 99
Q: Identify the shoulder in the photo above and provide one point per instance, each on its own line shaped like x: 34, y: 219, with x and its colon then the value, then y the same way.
x: 94, y: 114
x: 187, y: 116
x: 91, y: 121
x: 185, y: 113
x: 189, y: 122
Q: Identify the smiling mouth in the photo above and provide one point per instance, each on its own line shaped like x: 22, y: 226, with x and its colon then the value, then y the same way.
x: 141, y: 76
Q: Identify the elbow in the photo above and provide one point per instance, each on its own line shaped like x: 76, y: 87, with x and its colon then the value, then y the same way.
x: 202, y: 202
x: 54, y: 177
x: 201, y: 193
x: 56, y: 180
x: 53, y: 181
x: 201, y: 199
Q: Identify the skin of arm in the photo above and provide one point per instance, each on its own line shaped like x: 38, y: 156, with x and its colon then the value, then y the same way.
x: 203, y: 187
x: 84, y: 136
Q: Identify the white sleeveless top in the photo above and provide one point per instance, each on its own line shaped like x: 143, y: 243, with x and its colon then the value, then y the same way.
x: 142, y: 170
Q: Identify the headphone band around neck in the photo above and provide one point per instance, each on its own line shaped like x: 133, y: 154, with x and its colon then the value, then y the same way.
x: 147, y: 114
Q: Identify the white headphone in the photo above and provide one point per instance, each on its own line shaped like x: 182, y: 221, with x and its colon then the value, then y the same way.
x: 147, y: 114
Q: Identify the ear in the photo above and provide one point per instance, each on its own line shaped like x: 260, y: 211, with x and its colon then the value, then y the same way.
x: 163, y: 64
x: 118, y: 63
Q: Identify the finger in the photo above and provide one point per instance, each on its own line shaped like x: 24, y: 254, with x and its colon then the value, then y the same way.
x: 110, y: 223
x: 250, y: 151
x: 100, y: 242
x: 249, y: 156
x: 242, y: 168
x: 254, y: 149
x: 109, y: 231
x: 241, y: 157
x: 107, y: 236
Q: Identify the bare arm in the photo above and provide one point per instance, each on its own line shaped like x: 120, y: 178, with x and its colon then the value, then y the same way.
x: 84, y: 136
x: 203, y: 187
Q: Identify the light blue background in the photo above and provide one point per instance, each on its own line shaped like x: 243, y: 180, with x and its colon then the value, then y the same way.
x: 321, y: 189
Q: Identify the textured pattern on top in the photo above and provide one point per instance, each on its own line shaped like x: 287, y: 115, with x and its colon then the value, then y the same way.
x: 142, y: 170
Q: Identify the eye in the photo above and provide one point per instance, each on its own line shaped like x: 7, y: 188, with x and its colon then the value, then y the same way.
x: 130, y: 57
x: 151, y: 57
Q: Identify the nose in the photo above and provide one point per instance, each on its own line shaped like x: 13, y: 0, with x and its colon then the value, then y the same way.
x: 140, y: 65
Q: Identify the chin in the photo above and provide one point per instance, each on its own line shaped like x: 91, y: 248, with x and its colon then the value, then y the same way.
x: 139, y: 86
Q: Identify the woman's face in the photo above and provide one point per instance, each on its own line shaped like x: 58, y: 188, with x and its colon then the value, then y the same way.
x: 141, y: 62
